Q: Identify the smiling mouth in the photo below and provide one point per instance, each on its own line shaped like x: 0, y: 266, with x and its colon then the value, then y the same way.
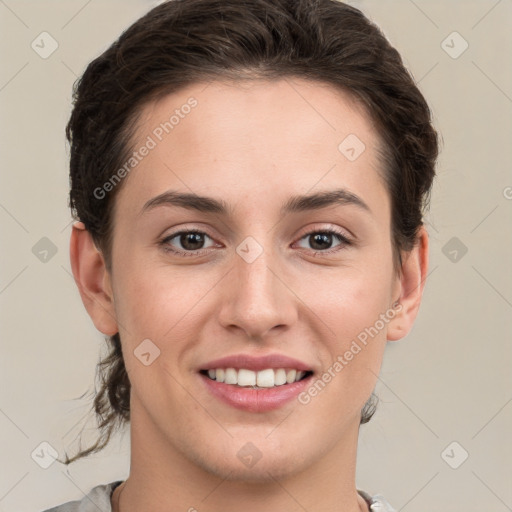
x: 263, y: 379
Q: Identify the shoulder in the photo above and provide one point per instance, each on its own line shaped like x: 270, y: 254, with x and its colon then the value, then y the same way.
x: 98, y: 498
x: 377, y: 502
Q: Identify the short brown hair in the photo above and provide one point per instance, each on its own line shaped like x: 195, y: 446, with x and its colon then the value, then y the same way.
x: 181, y: 42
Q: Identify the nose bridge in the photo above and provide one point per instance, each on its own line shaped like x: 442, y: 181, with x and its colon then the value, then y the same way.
x: 258, y: 299
x: 254, y: 272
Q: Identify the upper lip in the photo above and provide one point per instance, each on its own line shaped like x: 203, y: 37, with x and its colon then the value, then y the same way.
x: 256, y: 363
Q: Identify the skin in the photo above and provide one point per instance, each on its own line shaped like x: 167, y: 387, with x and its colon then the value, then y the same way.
x: 253, y: 145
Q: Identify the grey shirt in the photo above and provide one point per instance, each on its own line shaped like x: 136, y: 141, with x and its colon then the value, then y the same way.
x: 98, y: 500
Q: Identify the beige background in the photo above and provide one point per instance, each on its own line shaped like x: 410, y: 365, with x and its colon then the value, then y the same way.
x: 449, y: 380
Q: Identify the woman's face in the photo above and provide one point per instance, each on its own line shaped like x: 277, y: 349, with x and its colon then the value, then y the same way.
x: 259, y: 278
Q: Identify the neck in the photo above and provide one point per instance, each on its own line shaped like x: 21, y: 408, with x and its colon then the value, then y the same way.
x: 164, y: 479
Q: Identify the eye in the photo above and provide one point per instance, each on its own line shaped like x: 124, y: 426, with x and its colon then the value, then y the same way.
x: 191, y: 241
x: 321, y: 239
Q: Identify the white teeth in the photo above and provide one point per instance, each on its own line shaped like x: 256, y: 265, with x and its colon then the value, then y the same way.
x: 280, y: 377
x: 264, y: 379
x: 246, y: 378
x: 230, y: 376
x: 290, y: 376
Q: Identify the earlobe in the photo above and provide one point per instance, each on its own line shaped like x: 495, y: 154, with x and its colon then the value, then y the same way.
x: 411, y: 285
x: 92, y: 279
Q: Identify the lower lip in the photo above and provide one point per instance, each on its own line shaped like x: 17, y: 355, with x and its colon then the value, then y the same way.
x: 256, y: 400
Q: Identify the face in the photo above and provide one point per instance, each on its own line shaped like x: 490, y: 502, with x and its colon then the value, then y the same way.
x: 248, y: 276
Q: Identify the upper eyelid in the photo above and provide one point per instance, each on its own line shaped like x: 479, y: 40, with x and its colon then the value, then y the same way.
x: 187, y: 229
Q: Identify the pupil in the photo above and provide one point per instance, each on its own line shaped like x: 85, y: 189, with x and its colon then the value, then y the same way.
x: 192, y: 238
x: 321, y: 237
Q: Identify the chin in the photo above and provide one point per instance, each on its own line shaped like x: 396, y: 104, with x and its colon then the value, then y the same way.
x: 260, y: 460
x: 263, y: 472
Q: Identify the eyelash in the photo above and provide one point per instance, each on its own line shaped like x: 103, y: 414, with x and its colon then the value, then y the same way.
x: 164, y: 243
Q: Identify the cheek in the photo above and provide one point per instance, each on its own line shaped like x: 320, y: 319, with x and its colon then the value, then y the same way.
x: 355, y: 298
x: 357, y: 312
x: 352, y: 356
x: 156, y: 301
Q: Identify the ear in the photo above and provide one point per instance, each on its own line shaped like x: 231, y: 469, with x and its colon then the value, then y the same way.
x: 410, y: 287
x: 92, y: 279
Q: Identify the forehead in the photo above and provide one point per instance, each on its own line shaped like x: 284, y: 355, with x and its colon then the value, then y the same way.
x: 254, y: 137
x: 310, y: 109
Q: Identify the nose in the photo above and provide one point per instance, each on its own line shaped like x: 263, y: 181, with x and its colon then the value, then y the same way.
x: 257, y: 298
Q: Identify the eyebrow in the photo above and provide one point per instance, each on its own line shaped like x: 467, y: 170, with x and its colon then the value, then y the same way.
x: 295, y: 204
